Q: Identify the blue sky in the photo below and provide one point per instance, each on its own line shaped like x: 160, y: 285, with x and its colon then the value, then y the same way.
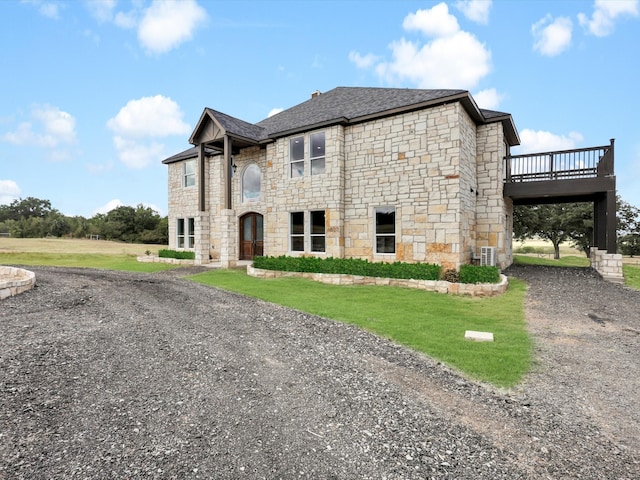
x: 95, y: 94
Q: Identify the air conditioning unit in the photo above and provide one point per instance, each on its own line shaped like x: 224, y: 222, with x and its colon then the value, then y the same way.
x: 488, y: 256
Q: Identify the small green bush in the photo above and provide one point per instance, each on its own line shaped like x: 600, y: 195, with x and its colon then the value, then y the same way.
x: 479, y: 274
x: 179, y: 254
x: 350, y: 266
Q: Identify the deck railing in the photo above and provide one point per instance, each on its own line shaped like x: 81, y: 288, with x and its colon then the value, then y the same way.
x: 560, y: 165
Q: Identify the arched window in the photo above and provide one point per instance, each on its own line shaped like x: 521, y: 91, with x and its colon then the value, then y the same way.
x: 251, y: 183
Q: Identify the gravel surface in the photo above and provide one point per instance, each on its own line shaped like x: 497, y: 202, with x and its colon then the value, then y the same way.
x: 125, y: 376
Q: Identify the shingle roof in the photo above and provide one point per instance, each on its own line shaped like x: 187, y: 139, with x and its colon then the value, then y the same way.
x: 350, y: 105
x: 189, y: 153
x: 237, y: 126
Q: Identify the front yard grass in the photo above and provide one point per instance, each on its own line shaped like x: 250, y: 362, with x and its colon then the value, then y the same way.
x: 631, y: 276
x: 84, y: 260
x: 427, y: 322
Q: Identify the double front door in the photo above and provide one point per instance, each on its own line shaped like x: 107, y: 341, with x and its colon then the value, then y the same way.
x: 251, y: 236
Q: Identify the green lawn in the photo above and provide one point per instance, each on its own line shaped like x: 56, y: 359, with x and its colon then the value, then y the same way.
x: 87, y: 260
x: 631, y: 276
x: 428, y: 322
x: 568, y: 261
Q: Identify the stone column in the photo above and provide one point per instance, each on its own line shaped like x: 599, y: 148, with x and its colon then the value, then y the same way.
x: 228, y: 239
x: 202, y: 239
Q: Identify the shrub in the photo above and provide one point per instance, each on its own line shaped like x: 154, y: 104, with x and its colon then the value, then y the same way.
x: 179, y: 254
x: 451, y: 275
x: 350, y: 266
x: 479, y: 274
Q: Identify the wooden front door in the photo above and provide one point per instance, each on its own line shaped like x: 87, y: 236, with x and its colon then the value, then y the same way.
x: 251, y: 236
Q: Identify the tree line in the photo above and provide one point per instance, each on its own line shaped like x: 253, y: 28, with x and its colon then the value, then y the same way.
x: 36, y: 218
x: 573, y: 223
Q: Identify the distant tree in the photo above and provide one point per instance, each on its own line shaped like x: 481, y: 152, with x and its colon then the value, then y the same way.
x: 27, y: 208
x: 550, y: 222
x: 574, y: 222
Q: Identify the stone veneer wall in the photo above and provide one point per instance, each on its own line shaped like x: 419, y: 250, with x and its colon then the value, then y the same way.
x: 410, y: 162
x: 15, y: 280
x: 608, y: 265
x: 494, y: 212
x: 442, y: 174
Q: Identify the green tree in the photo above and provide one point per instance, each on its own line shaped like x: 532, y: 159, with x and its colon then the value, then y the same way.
x: 556, y: 223
x: 574, y: 222
x: 25, y: 208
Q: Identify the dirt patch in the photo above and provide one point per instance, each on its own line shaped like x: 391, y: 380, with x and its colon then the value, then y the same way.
x: 121, y: 375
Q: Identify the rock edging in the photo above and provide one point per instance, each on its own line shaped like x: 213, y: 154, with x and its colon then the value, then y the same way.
x: 439, y: 286
x: 15, y: 280
x: 156, y: 259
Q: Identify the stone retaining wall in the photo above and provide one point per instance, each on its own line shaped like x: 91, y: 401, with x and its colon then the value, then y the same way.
x: 608, y: 265
x: 439, y: 286
x: 156, y: 259
x: 14, y: 281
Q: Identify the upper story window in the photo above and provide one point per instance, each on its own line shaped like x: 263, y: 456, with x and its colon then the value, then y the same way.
x: 385, y: 230
x: 189, y: 173
x: 296, y: 156
x: 251, y: 179
x: 316, y: 153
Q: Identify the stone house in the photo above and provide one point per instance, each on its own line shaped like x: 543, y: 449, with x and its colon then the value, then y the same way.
x: 382, y: 174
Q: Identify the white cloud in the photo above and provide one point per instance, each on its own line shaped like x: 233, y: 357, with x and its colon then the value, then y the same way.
x: 433, y: 22
x: 274, y: 111
x: 48, y: 9
x: 156, y: 116
x: 107, y: 207
x: 9, y: 191
x: 475, y: 10
x: 489, y: 98
x: 552, y: 37
x: 126, y: 20
x: 459, y: 61
x: 533, y: 141
x: 451, y: 58
x: 49, y: 128
x: 141, y: 120
x: 138, y: 154
x: 363, y: 61
x: 166, y: 24
x: 115, y: 203
x: 101, y: 10
x: 605, y: 13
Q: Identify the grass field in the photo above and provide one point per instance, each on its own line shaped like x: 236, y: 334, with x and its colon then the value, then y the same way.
x: 73, y: 245
x: 68, y: 252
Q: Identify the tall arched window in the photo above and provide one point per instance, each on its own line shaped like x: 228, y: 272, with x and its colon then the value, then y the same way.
x: 251, y: 183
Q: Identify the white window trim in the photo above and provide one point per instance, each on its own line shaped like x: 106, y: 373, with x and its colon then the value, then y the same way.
x: 189, y: 234
x: 186, y: 175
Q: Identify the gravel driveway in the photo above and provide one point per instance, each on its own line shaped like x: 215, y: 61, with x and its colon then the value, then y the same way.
x: 125, y: 376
